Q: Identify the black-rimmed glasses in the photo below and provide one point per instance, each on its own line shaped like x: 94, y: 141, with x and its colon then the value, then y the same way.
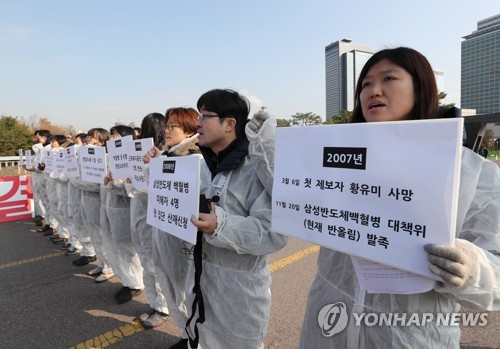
x: 202, y: 117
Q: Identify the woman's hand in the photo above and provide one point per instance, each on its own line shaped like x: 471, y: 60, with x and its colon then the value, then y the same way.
x: 108, y: 178
x: 153, y: 153
x: 456, y: 265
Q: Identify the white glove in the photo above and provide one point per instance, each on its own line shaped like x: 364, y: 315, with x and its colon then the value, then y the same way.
x: 456, y: 265
x: 257, y: 120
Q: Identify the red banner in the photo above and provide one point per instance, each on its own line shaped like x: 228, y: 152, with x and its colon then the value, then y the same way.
x: 15, y: 198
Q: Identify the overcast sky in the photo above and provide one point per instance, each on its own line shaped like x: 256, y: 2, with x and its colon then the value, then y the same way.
x: 92, y: 63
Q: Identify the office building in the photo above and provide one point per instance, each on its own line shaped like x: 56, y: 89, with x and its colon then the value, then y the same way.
x: 343, y: 63
x: 480, y: 78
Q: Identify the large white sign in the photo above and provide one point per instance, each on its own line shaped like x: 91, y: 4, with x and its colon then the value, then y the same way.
x: 173, y: 195
x: 71, y: 162
x: 379, y: 191
x: 93, y: 164
x: 137, y: 150
x: 118, y: 157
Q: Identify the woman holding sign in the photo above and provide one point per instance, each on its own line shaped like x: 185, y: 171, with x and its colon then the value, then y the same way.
x: 396, y: 85
x: 90, y: 234
x: 169, y: 252
x: 153, y: 127
x: 115, y: 228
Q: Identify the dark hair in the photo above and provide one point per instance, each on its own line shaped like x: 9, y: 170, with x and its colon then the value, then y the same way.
x: 66, y: 144
x: 153, y: 126
x: 81, y: 135
x: 123, y: 131
x: 424, y: 82
x: 185, y: 117
x: 59, y: 139
x: 43, y: 133
x: 100, y: 134
x: 227, y: 103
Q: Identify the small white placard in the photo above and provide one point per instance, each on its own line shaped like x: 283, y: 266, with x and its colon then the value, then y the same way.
x: 29, y: 164
x: 60, y: 163
x: 50, y: 164
x: 21, y: 157
x: 71, y: 162
x: 93, y: 164
x: 174, y: 195
x: 137, y: 149
x: 118, y: 157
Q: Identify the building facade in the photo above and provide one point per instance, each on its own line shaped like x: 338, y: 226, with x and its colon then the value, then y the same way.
x: 343, y: 63
x: 480, y: 79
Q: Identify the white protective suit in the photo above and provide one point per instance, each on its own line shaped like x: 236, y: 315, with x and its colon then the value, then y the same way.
x: 478, y: 222
x: 170, y: 255
x: 51, y: 185
x: 44, y: 191
x: 62, y: 207
x: 91, y: 204
x: 36, y: 177
x: 75, y: 219
x: 116, y: 236
x: 76, y: 211
x: 236, y: 278
x: 142, y: 238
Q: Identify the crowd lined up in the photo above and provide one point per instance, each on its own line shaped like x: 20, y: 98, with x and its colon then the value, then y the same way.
x: 218, y: 290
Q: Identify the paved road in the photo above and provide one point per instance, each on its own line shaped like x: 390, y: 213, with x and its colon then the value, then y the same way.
x: 46, y: 302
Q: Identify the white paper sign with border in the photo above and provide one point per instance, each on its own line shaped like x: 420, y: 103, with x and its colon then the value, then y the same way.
x: 59, y: 163
x: 93, y: 164
x: 118, y: 157
x: 21, y: 158
x: 379, y: 191
x: 49, y: 161
x: 71, y: 162
x: 174, y: 195
x: 29, y: 163
x: 137, y: 149
x: 38, y: 157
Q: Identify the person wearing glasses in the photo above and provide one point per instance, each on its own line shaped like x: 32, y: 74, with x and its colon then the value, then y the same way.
x: 169, y: 252
x: 237, y: 238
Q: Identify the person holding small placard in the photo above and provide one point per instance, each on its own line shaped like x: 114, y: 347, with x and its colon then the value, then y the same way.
x: 152, y: 126
x: 170, y: 253
x: 115, y: 229
x: 236, y: 236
